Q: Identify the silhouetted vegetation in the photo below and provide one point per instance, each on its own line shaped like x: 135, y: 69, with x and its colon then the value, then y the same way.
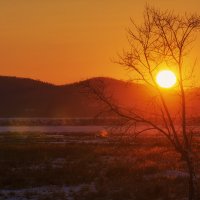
x: 103, y: 171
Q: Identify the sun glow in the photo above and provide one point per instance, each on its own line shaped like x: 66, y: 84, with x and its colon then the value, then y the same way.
x: 166, y: 79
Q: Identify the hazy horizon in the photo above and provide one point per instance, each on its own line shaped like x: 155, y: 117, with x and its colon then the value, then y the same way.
x: 64, y: 83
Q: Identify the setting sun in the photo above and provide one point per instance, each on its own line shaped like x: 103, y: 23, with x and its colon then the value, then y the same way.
x: 166, y: 79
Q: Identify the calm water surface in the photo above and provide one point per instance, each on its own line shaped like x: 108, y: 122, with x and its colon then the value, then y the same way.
x: 51, y: 129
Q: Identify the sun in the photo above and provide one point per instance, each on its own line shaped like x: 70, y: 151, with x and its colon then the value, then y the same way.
x: 166, y: 79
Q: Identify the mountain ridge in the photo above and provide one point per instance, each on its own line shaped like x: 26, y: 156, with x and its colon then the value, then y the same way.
x: 25, y: 97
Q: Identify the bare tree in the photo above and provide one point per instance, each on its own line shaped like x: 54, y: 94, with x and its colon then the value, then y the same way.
x: 163, y: 38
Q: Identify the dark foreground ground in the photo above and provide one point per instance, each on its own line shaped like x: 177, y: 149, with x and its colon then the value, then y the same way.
x: 39, y: 167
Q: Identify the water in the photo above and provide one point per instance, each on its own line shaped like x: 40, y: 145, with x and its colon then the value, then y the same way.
x: 59, y: 125
x: 52, y: 129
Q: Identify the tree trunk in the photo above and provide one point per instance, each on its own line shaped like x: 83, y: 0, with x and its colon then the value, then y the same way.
x: 191, y: 189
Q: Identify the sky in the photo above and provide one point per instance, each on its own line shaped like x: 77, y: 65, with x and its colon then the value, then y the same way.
x: 63, y: 41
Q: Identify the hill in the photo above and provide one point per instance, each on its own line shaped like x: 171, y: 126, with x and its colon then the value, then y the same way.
x: 22, y: 97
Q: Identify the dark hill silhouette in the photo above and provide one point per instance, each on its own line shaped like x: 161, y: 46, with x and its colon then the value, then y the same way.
x: 22, y: 97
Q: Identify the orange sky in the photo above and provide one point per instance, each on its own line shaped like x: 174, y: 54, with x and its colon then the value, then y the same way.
x: 62, y: 41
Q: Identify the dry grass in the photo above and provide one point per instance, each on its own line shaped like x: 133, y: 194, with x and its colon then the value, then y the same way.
x: 117, y: 172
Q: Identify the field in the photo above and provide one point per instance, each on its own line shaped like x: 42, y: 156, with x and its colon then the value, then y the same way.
x: 39, y: 166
